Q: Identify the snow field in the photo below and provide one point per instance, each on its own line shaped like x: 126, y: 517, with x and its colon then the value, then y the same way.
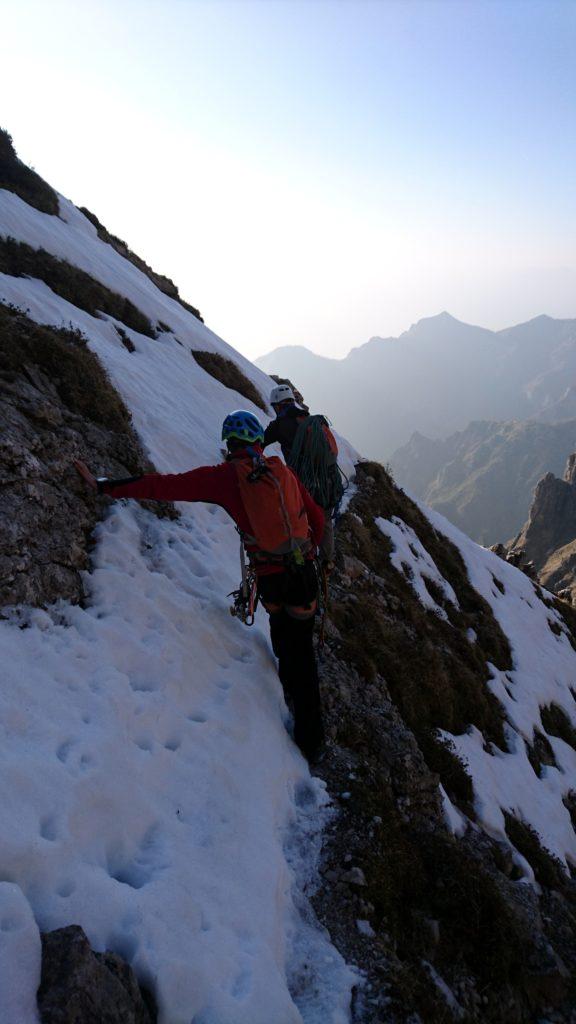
x: 151, y: 786
x: 153, y: 793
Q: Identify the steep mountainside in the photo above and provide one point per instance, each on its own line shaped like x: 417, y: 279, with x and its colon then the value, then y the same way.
x: 483, y: 478
x: 437, y: 377
x: 151, y: 792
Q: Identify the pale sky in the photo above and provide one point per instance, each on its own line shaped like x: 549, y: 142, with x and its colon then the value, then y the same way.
x: 313, y: 172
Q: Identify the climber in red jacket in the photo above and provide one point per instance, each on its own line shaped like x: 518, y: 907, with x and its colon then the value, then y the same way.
x: 281, y: 527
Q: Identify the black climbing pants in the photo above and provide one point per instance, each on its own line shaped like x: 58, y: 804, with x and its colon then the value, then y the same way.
x: 292, y: 643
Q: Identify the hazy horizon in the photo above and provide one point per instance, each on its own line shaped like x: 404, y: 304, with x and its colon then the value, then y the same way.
x: 385, y: 337
x: 314, y: 173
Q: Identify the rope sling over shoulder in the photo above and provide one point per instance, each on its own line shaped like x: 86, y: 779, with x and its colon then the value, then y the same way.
x: 314, y: 459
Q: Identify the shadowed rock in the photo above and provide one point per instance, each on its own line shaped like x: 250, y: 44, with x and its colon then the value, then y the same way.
x: 82, y: 987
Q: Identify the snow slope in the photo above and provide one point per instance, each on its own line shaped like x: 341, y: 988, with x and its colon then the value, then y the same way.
x: 153, y: 793
x: 544, y: 673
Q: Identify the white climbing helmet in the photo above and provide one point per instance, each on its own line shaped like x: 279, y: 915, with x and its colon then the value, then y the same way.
x: 281, y: 393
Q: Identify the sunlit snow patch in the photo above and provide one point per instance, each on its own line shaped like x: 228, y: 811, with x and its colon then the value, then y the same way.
x: 411, y: 558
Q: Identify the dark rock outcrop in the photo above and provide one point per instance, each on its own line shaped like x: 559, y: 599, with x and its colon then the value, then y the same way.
x: 551, y: 522
x: 79, y: 986
x: 548, y: 538
x: 56, y: 405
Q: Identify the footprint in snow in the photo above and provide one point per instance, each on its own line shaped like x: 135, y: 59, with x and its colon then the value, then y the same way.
x: 64, y: 750
x: 143, y: 686
x: 144, y: 865
x: 66, y: 889
x: 65, y: 754
x: 144, y: 743
x: 87, y: 762
x: 49, y: 828
x: 242, y: 984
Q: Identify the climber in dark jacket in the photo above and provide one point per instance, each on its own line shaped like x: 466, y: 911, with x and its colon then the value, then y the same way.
x: 289, y: 594
x: 288, y: 416
x: 283, y: 430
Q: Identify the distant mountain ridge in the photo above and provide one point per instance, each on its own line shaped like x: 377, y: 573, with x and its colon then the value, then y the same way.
x: 437, y: 377
x: 482, y: 478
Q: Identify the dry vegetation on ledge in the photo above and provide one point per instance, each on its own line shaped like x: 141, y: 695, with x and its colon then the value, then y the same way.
x: 71, y: 283
x: 230, y: 375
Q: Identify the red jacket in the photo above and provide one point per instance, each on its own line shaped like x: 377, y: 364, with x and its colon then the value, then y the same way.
x: 215, y: 484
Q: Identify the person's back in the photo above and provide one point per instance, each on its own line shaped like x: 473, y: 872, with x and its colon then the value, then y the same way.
x: 310, y: 449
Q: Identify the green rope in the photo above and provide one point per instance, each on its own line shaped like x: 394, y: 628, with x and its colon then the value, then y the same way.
x: 314, y: 463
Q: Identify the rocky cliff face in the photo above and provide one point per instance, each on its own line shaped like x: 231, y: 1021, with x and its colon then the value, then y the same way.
x: 548, y: 538
x: 56, y: 405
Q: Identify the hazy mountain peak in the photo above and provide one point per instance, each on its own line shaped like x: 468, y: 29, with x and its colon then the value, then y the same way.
x: 441, y: 325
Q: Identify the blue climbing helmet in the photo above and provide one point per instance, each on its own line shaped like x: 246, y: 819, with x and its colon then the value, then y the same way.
x: 243, y: 426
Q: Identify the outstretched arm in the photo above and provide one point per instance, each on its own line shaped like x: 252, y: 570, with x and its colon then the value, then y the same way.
x: 208, y: 483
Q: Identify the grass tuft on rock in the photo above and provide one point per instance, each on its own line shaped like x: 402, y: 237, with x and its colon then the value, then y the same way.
x: 540, y: 753
x: 16, y: 177
x: 556, y: 723
x: 548, y: 870
x: 230, y: 375
x: 72, y: 369
x: 71, y: 283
